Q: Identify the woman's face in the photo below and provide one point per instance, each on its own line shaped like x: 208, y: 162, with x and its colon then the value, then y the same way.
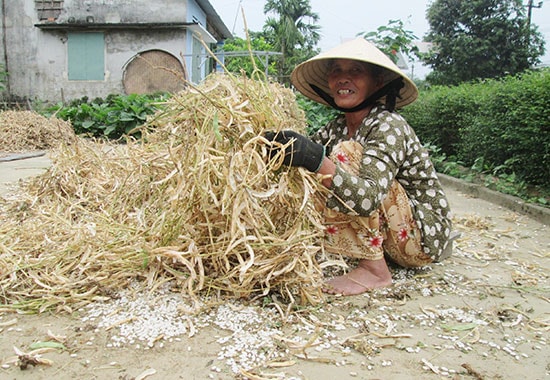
x: 351, y: 82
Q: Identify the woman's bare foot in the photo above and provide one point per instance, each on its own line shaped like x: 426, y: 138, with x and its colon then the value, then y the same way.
x: 368, y: 275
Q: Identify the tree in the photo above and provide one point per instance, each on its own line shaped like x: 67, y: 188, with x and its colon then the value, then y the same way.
x: 392, y: 38
x: 243, y: 61
x: 478, y: 39
x: 294, y: 33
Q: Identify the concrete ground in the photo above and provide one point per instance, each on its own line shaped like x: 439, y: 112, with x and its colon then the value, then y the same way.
x: 483, y: 313
x: 14, y: 167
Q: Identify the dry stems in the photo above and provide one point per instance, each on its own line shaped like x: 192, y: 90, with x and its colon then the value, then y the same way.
x: 194, y: 202
x: 27, y: 130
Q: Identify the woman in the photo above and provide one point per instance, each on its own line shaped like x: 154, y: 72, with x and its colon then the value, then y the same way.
x: 386, y: 200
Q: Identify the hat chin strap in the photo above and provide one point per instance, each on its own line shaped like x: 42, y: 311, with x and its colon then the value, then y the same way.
x: 390, y: 91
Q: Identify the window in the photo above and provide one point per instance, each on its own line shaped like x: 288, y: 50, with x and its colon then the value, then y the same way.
x: 48, y: 9
x: 86, y: 56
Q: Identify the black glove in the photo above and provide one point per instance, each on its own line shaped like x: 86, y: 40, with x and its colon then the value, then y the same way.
x: 301, y: 152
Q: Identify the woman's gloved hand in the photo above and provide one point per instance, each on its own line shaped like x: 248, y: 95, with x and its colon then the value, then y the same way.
x: 301, y: 151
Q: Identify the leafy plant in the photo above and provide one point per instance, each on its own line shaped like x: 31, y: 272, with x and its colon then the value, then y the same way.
x: 238, y: 55
x: 3, y: 78
x: 291, y: 28
x: 491, y: 123
x: 112, y: 118
x: 497, y: 178
x: 393, y: 38
x: 479, y: 39
x: 317, y: 115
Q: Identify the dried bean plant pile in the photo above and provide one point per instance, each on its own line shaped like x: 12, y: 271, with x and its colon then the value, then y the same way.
x: 27, y: 130
x: 194, y: 203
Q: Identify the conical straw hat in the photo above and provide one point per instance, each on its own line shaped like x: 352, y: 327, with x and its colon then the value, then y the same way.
x: 314, y: 71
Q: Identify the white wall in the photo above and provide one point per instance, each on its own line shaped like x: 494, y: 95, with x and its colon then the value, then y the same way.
x: 37, y: 58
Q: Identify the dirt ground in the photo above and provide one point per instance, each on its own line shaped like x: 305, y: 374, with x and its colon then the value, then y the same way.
x: 482, y: 314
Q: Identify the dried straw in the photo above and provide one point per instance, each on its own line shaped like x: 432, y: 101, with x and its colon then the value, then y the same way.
x: 27, y: 130
x: 194, y: 203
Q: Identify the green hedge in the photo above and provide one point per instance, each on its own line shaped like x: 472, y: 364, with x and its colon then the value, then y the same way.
x: 504, y: 123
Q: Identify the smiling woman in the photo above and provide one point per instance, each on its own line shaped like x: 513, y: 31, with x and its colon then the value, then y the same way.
x: 385, y: 199
x: 351, y: 82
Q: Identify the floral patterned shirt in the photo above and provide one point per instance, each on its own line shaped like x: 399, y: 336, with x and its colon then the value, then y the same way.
x: 391, y: 151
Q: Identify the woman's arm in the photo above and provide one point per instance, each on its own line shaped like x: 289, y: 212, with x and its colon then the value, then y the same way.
x: 327, y: 169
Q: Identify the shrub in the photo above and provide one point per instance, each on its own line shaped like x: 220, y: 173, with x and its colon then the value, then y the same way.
x: 112, y: 117
x: 317, y: 115
x: 3, y: 78
x: 438, y: 115
x: 513, y: 129
x: 504, y: 122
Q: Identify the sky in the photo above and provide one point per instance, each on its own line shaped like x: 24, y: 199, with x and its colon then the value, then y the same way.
x: 341, y: 20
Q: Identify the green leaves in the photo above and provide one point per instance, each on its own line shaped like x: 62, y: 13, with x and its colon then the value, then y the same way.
x: 291, y: 29
x: 480, y: 39
x: 3, y: 77
x: 238, y: 58
x: 112, y: 118
x: 496, y: 127
x: 393, y: 38
x: 317, y: 115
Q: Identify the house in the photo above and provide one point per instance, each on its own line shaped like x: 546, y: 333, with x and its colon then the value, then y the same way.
x: 59, y: 50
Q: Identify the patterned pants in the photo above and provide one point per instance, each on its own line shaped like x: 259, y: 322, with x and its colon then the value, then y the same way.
x: 390, y: 230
